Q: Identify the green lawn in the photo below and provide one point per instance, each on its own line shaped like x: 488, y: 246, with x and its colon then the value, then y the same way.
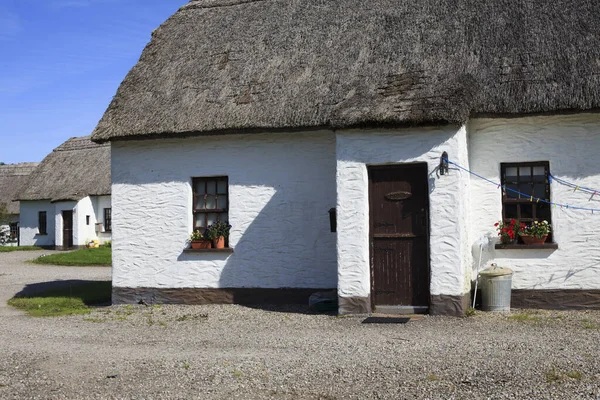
x: 82, y: 257
x: 8, y: 249
x: 75, y: 299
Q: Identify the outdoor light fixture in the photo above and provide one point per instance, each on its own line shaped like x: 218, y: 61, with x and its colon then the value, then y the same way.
x: 444, y: 164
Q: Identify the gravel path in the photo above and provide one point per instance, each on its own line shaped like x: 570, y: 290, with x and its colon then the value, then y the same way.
x: 228, y: 352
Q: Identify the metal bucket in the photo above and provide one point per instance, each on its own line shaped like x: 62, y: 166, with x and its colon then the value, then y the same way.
x: 495, y: 286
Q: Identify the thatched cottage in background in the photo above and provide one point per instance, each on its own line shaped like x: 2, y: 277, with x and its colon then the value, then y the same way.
x: 12, y: 177
x: 270, y: 113
x: 66, y: 201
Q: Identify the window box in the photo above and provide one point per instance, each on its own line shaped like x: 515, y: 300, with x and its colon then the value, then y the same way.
x: 518, y: 246
x: 211, y: 250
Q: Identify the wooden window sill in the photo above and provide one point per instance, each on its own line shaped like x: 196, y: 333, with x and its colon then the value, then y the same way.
x: 550, y: 246
x: 225, y: 250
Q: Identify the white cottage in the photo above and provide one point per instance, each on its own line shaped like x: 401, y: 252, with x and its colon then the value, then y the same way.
x: 66, y: 201
x: 269, y: 114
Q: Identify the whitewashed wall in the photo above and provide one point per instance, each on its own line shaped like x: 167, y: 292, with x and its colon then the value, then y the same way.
x: 448, y: 198
x: 571, y: 144
x: 281, y: 187
x: 29, y: 223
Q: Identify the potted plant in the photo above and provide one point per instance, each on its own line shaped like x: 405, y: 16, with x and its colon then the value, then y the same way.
x: 199, y: 241
x: 509, y: 231
x: 536, y: 233
x: 218, y: 232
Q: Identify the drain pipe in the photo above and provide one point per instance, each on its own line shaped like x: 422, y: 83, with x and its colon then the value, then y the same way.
x: 484, y: 241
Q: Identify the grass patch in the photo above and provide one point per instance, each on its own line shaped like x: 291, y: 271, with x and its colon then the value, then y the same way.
x: 574, y: 375
x: 8, y: 249
x: 64, y: 301
x: 83, y: 257
x: 524, y: 317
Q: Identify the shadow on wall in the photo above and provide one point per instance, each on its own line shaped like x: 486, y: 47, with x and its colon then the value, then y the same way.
x: 280, y: 249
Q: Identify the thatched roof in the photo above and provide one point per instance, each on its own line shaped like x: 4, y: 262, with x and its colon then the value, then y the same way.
x: 75, y: 169
x: 227, y: 65
x: 12, y: 178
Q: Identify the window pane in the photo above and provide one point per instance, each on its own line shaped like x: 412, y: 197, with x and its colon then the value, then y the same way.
x: 212, y: 218
x: 525, y: 189
x: 211, y: 187
x: 222, y: 199
x: 510, y: 211
x: 539, y: 190
x: 199, y: 220
x: 543, y: 212
x: 526, y: 210
x: 539, y: 174
x: 223, y: 217
x: 211, y: 202
x: 525, y: 173
x: 200, y: 202
x: 222, y: 187
x: 511, y: 172
x: 200, y: 189
x: 509, y: 193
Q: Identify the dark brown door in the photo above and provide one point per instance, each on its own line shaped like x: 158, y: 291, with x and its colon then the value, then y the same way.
x: 67, y: 229
x: 399, y: 226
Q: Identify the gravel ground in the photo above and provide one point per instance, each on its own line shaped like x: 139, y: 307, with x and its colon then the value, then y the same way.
x: 225, y: 352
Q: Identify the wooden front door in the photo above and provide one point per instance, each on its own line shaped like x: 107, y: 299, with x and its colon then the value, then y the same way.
x: 67, y: 229
x: 399, y: 236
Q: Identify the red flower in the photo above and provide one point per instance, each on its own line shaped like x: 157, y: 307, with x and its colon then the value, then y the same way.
x: 496, y: 224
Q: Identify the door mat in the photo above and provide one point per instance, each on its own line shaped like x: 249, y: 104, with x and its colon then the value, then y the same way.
x: 385, y: 320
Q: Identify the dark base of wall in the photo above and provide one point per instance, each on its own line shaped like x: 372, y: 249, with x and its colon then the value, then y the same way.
x: 121, y: 295
x: 455, y: 306
x: 354, y: 305
x: 556, y: 299
x: 74, y: 247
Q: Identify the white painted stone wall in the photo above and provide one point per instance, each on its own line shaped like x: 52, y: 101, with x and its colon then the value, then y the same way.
x: 29, y: 223
x: 450, y: 254
x: 281, y: 187
x: 571, y: 144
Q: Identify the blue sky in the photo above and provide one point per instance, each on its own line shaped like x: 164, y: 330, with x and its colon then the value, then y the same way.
x: 61, y: 61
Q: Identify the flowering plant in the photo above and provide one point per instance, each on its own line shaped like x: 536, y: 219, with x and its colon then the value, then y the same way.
x: 218, y: 229
x: 197, y: 235
x: 508, y: 231
x: 537, y: 229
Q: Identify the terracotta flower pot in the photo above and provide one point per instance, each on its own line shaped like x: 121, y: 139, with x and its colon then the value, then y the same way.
x: 528, y: 239
x: 201, y: 244
x: 219, y: 242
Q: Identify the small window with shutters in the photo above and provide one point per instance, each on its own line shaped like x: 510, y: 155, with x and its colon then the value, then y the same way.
x: 211, y: 201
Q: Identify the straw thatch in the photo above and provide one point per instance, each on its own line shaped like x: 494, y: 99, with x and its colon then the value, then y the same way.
x: 75, y: 169
x: 12, y: 178
x: 227, y: 65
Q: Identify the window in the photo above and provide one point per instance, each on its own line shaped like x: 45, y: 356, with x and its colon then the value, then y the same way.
x: 211, y: 201
x: 87, y: 219
x: 42, y: 227
x: 14, y: 230
x: 531, y: 180
x: 107, y: 219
